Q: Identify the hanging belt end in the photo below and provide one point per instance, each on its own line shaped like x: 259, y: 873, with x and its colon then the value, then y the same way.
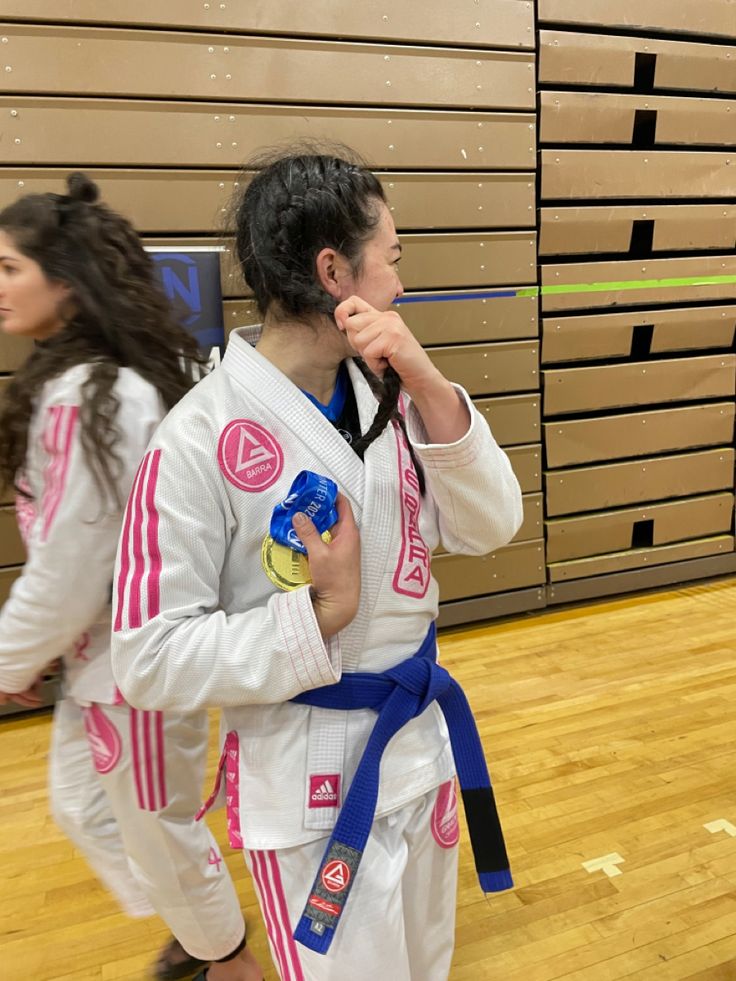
x: 495, y: 881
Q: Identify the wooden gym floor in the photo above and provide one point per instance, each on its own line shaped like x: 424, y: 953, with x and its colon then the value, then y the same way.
x: 610, y: 732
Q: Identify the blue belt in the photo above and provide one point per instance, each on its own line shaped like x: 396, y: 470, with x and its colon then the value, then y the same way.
x: 398, y: 695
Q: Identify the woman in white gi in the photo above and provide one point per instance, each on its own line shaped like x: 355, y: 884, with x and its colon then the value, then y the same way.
x: 74, y: 424
x: 235, y: 622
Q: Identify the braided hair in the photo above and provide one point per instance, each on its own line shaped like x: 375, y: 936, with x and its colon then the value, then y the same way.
x: 117, y: 317
x: 299, y: 202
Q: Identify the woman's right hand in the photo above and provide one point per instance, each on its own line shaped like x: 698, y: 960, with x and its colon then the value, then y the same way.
x: 334, y: 567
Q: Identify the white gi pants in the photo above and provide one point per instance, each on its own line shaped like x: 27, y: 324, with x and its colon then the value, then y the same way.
x: 399, y: 921
x: 124, y: 787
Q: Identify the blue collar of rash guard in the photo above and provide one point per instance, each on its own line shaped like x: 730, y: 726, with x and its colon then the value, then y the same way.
x: 334, y: 408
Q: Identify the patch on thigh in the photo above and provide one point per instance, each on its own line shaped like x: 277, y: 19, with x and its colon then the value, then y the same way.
x: 104, y: 739
x: 444, y: 823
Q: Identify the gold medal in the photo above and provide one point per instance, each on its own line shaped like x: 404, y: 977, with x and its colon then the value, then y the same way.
x: 286, y: 568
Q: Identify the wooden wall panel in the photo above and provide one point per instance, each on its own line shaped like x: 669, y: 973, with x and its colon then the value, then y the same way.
x: 193, y: 201
x: 13, y: 351
x: 484, y: 369
x: 640, y: 558
x: 7, y: 578
x: 588, y: 174
x: 514, y: 419
x: 526, y: 462
x: 649, y: 479
x: 614, y: 531
x: 606, y: 386
x: 163, y: 65
x: 594, y: 117
x: 499, y: 24
x: 432, y: 261
x: 471, y: 259
x: 434, y: 318
x: 594, y: 60
x: 98, y: 132
x: 12, y: 551
x: 638, y: 282
x: 679, y: 228
x: 513, y: 567
x: 613, y: 335
x: 568, y: 442
x: 715, y: 18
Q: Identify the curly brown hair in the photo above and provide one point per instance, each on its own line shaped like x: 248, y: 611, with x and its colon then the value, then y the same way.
x: 118, y: 317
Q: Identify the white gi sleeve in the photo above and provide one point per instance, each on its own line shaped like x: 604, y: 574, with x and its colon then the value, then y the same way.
x: 173, y: 646
x: 66, y: 581
x: 476, y: 491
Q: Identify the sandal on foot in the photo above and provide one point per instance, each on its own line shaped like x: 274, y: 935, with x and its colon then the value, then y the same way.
x: 175, y: 964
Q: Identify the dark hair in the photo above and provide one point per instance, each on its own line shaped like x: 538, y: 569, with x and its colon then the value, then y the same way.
x: 117, y: 316
x: 302, y: 200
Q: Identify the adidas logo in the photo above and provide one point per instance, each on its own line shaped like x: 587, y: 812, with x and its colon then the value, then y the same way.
x: 325, y: 792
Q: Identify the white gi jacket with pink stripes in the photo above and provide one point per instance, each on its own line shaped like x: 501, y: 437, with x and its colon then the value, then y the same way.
x: 198, y: 623
x: 60, y: 605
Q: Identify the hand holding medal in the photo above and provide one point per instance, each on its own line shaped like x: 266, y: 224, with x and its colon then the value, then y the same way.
x: 313, y: 539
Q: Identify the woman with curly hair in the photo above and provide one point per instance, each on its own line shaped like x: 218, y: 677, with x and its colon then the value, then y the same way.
x: 108, y: 363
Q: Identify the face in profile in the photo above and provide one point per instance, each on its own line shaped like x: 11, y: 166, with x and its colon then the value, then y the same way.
x: 378, y: 282
x: 30, y: 303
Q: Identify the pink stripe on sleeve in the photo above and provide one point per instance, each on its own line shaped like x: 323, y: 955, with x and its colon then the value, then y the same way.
x: 124, y: 571
x: 139, y: 558
x: 154, y: 554
x: 64, y: 426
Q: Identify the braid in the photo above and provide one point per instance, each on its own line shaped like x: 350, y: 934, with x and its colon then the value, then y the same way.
x: 387, y: 391
x: 295, y: 206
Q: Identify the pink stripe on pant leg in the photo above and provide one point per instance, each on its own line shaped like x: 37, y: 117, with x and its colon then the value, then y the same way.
x: 161, y: 753
x: 136, y: 757
x: 148, y: 759
x: 283, y: 915
x: 260, y: 875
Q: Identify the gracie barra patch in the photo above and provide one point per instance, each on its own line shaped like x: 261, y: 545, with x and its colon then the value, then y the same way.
x: 249, y: 455
x: 332, y: 885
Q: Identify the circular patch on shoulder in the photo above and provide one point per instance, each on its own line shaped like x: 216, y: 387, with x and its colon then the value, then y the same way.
x: 249, y: 456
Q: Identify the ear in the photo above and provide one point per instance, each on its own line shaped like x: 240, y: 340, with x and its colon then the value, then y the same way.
x: 332, y: 270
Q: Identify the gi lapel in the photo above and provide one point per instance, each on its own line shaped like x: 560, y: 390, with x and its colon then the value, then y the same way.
x: 282, y: 398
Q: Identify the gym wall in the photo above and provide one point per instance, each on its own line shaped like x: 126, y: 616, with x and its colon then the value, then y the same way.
x: 626, y: 456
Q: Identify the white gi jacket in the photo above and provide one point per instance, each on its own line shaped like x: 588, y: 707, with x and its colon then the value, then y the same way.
x: 60, y: 605
x: 198, y: 622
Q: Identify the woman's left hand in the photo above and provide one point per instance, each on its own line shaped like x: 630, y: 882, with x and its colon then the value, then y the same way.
x: 382, y: 338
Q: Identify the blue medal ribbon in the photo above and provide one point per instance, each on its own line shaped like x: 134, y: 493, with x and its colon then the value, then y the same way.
x: 313, y: 495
